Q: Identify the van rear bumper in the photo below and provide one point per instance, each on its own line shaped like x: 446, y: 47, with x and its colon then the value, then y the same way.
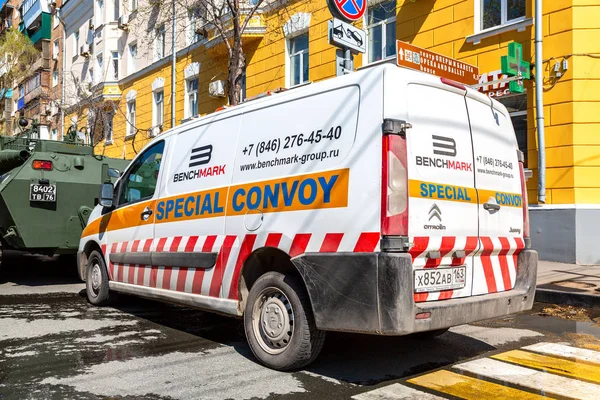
x: 373, y: 293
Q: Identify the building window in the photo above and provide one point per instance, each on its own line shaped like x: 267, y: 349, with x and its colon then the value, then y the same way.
x: 381, y: 28
x: 100, y: 71
x: 91, y: 79
x: 21, y: 91
x: 191, y: 92
x: 500, y: 12
x: 159, y: 50
x: 54, y: 78
x: 517, y: 109
x: 298, y: 51
x: 33, y: 83
x: 108, y: 127
x: 56, y: 18
x: 54, y: 133
x: 133, y: 5
x: 132, y: 58
x: 75, y: 44
x: 100, y: 14
x: 158, y: 111
x: 193, y: 25
x: 116, y: 9
x: 131, y: 130
x: 55, y: 50
x: 115, y: 65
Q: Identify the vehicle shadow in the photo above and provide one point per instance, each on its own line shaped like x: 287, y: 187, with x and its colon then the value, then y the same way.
x: 24, y: 269
x: 350, y: 358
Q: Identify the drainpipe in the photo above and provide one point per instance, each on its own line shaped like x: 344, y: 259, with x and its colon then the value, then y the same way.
x: 539, y: 99
x: 173, y: 66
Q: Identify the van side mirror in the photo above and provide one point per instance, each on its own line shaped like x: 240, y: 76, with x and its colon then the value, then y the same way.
x: 107, y: 193
x: 113, y: 173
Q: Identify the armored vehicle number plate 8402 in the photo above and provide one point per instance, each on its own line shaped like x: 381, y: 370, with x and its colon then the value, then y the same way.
x: 436, y: 279
x: 46, y: 193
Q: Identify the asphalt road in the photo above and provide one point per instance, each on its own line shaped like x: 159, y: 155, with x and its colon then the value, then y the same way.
x: 54, y: 345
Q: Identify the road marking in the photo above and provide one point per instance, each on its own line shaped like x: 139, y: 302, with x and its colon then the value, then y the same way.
x: 530, y: 378
x: 561, y: 350
x: 466, y: 387
x: 560, y: 366
x: 396, y: 392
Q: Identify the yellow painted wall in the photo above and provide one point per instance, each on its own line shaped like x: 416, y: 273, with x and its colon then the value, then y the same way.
x: 572, y: 103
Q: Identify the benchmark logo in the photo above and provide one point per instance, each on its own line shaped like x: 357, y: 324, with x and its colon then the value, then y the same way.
x: 443, y: 146
x: 200, y: 156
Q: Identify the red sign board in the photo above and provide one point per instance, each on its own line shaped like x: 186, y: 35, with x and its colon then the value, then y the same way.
x: 414, y: 57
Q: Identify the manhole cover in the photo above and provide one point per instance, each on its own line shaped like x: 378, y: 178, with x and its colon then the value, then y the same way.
x: 574, y: 285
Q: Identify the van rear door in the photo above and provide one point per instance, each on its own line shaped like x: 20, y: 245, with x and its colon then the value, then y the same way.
x: 443, y: 221
x: 498, y: 183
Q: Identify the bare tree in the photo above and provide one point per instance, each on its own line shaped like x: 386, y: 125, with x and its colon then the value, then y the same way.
x: 17, y: 61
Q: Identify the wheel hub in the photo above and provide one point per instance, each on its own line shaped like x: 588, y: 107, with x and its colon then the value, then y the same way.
x: 96, y: 278
x: 273, y: 321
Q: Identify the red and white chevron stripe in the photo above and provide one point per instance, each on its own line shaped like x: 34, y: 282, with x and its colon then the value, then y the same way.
x: 494, y: 263
x: 222, y: 280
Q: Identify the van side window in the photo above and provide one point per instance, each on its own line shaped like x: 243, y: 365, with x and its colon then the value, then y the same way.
x: 140, y: 182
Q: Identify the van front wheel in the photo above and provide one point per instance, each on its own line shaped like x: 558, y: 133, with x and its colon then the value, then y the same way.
x: 96, y: 281
x: 279, y: 323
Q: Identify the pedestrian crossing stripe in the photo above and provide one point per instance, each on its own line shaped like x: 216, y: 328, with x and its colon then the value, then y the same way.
x: 571, y: 369
x: 533, y: 372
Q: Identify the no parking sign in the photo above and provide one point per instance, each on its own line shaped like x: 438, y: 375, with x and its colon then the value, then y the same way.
x: 348, y: 10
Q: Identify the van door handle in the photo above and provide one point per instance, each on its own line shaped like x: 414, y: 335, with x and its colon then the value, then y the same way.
x: 146, y: 213
x: 491, y: 207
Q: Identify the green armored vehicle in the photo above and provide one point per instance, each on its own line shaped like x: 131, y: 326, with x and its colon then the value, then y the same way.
x: 47, y: 191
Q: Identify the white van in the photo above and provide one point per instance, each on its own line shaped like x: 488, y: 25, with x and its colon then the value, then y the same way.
x: 386, y: 202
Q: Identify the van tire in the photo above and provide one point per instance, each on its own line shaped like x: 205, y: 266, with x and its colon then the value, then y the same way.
x: 96, y: 283
x: 271, y: 295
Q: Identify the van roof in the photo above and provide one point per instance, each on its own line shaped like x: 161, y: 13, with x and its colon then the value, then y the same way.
x: 353, y: 78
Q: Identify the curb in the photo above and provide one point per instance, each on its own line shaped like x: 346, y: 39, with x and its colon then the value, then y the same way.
x: 572, y: 299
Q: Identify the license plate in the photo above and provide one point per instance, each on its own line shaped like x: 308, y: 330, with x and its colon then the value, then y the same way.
x: 46, y: 193
x: 436, y: 279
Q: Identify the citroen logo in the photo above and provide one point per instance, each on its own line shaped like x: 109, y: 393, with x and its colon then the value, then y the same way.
x: 435, y: 212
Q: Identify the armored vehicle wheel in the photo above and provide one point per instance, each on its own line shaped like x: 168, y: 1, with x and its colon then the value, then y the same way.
x: 96, y: 283
x: 279, y: 324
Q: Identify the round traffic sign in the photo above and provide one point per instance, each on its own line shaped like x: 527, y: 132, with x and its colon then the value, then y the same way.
x: 350, y: 10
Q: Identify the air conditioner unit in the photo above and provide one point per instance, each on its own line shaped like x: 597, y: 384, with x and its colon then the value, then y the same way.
x: 156, y: 130
x: 216, y: 89
x: 123, y: 22
x: 85, y: 50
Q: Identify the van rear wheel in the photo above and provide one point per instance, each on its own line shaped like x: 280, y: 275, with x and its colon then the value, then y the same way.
x: 279, y: 323
x: 96, y: 282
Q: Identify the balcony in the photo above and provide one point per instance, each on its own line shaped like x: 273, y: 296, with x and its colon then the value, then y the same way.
x: 44, y: 61
x: 255, y: 31
x: 6, y: 15
x: 37, y: 21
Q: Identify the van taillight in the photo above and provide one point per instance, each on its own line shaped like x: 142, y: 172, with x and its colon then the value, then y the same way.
x: 41, y: 164
x: 526, y: 233
x: 394, y: 186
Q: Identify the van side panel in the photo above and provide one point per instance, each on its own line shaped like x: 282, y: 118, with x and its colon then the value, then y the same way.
x: 307, y: 176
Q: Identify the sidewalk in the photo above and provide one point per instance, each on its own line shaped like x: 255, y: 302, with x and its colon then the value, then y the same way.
x: 577, y: 285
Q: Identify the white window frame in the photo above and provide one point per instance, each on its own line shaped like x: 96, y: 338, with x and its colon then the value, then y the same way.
x: 55, y: 49
x: 115, y: 67
x: 131, y: 114
x: 55, y: 79
x: 384, y: 23
x: 116, y: 9
x: 288, y: 59
x: 75, y: 43
x: 131, y: 58
x: 108, y: 128
x: 193, y: 22
x: 158, y: 110
x: 187, y: 103
x: 100, y: 65
x: 503, y: 16
x: 100, y: 14
x: 162, y: 34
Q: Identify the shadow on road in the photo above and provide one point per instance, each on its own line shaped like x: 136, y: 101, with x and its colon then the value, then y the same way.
x: 35, y: 270
x: 350, y: 358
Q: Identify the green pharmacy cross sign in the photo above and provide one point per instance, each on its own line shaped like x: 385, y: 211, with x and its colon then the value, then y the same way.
x: 514, y: 66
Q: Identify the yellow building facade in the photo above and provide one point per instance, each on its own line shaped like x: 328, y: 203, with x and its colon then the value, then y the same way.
x: 289, y: 45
